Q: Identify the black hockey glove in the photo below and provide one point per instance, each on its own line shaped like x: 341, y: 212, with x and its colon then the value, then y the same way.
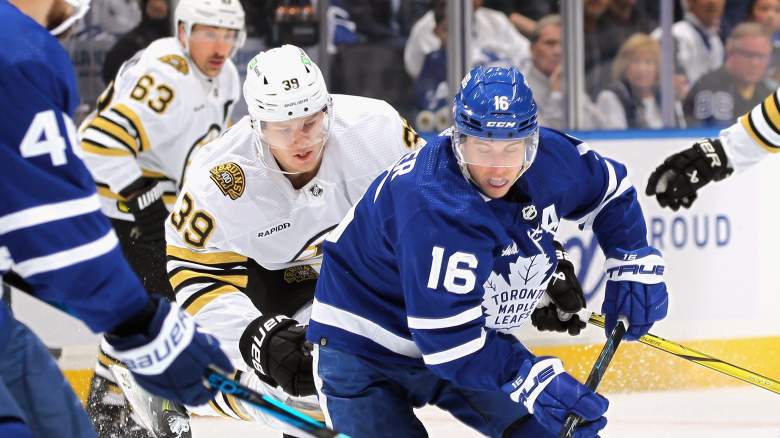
x: 675, y: 182
x: 275, y: 346
x: 565, y: 299
x: 147, y: 207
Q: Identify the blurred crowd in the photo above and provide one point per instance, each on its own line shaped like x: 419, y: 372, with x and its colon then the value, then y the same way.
x: 726, y: 52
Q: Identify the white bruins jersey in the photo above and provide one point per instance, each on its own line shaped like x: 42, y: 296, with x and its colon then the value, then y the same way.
x: 755, y: 135
x: 152, y: 119
x: 236, y: 209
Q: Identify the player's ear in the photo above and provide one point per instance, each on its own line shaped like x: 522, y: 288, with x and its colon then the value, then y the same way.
x: 181, y: 34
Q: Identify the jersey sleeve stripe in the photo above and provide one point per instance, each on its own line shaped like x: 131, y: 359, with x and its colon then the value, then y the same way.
x: 333, y: 316
x: 235, y: 406
x: 757, y: 126
x: 135, y: 121
x: 611, y: 193
x: 771, y: 112
x: 206, y: 258
x: 48, y: 213
x: 91, y: 147
x: 115, y: 131
x: 439, y: 323
x: 218, y: 409
x: 200, y: 299
x: 69, y: 257
x: 107, y: 360
x: 177, y: 279
x: 456, y: 352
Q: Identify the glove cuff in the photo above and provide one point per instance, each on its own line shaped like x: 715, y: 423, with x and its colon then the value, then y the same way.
x: 534, y: 375
x: 256, y: 337
x: 715, y: 155
x: 644, y: 266
x: 151, y: 353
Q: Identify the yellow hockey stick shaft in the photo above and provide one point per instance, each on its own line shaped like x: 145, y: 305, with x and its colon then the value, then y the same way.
x: 700, y: 358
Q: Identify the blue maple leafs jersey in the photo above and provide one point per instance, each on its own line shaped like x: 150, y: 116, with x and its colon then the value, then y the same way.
x: 426, y: 270
x: 52, y: 232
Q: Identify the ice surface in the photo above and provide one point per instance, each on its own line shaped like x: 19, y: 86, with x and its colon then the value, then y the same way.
x: 729, y: 412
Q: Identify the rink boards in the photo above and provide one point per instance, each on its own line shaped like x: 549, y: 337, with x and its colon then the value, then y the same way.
x: 722, y: 275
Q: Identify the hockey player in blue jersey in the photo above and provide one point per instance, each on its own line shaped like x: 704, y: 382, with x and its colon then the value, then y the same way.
x: 53, y: 235
x: 452, y: 247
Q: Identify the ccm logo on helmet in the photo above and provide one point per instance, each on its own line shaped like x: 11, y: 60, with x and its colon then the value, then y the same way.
x: 501, y: 124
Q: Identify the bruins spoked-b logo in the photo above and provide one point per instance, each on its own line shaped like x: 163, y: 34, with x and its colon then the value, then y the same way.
x: 229, y: 177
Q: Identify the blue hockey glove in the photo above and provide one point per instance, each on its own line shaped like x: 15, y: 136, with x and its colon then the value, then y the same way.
x: 551, y: 394
x: 635, y: 289
x: 169, y: 357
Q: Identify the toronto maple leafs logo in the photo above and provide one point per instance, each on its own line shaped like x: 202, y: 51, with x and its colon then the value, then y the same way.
x: 511, y: 297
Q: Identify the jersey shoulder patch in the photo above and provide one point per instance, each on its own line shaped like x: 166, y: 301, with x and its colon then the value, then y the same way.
x: 229, y: 177
x: 177, y: 62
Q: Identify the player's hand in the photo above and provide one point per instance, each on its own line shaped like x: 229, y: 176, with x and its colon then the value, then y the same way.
x: 167, y: 353
x: 149, y: 211
x: 275, y: 346
x: 635, y: 289
x: 551, y: 394
x: 563, y: 298
x: 675, y: 182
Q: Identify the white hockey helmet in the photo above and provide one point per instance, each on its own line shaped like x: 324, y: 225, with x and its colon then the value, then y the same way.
x: 283, y: 84
x: 283, y: 90
x: 218, y: 13
x: 80, y: 8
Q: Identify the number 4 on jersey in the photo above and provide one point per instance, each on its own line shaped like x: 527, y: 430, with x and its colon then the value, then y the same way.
x: 43, y: 137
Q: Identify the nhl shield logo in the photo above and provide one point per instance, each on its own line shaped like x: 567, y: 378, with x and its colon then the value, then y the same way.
x: 229, y: 177
x: 529, y: 212
x: 316, y: 190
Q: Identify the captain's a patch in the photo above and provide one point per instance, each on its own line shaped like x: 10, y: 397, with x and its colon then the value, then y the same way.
x: 229, y: 177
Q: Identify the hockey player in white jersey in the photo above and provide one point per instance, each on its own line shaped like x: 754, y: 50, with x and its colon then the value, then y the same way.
x: 165, y: 103
x: 754, y: 136
x: 244, y: 237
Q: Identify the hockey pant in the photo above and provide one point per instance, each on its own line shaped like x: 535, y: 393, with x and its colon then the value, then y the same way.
x: 33, y: 388
x: 363, y: 398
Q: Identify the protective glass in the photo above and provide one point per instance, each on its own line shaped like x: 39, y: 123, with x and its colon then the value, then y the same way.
x: 485, y: 152
x: 300, y: 133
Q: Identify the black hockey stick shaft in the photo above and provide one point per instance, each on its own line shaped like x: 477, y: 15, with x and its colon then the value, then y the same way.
x: 596, y: 374
x: 267, y: 404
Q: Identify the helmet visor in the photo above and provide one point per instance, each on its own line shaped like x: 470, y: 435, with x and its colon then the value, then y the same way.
x: 487, y: 152
x: 298, y: 134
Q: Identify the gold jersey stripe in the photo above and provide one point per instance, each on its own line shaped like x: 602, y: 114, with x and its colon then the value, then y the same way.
x: 209, y: 258
x: 106, y: 360
x: 758, y: 138
x: 218, y: 409
x: 235, y: 406
x: 772, y: 112
x: 152, y: 174
x: 134, y: 120
x: 116, y: 131
x: 93, y: 148
x: 186, y: 274
x: 107, y: 193
x: 194, y: 307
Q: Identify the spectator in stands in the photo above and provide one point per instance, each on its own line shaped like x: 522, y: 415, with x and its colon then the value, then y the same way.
x: 633, y: 99
x: 155, y: 24
x: 723, y: 94
x: 496, y: 41
x: 767, y: 12
x: 697, y: 44
x: 544, y: 76
x: 107, y: 20
x: 524, y: 13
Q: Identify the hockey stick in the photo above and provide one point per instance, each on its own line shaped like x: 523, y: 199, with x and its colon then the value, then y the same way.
x: 697, y: 357
x: 599, y: 368
x: 270, y: 405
